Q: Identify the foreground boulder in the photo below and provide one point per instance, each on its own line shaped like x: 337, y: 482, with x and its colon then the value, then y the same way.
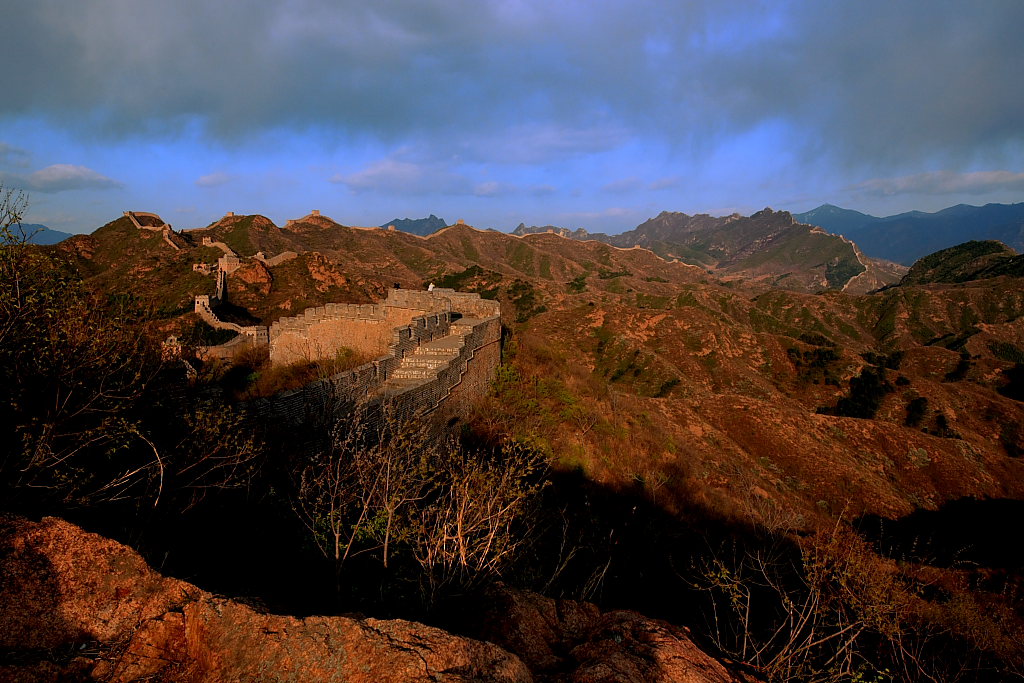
x: 77, y: 606
x: 566, y: 640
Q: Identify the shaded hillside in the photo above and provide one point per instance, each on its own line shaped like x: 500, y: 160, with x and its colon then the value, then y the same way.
x: 968, y: 261
x: 906, y: 237
x: 417, y: 226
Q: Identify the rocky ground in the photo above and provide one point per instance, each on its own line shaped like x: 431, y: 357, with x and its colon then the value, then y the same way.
x: 77, y: 606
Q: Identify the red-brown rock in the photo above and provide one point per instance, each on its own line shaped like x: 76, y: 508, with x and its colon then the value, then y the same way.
x: 76, y: 606
x: 566, y: 640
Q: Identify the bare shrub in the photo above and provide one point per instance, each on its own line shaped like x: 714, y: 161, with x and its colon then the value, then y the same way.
x: 385, y: 487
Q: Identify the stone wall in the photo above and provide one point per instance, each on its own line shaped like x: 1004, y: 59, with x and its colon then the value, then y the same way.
x: 462, y: 379
x: 367, y: 328
x: 438, y: 299
x: 480, y: 368
x: 319, y: 332
x: 257, y: 333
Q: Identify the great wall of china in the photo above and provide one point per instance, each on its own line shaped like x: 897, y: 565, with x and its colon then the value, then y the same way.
x: 434, y: 351
x: 438, y: 351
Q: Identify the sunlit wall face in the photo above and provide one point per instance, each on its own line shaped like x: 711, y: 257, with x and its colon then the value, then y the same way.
x: 579, y: 114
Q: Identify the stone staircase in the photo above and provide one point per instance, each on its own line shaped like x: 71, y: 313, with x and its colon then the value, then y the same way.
x: 428, y: 359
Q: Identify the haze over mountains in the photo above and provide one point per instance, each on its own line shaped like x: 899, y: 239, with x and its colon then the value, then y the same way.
x: 35, y: 233
x: 906, y: 237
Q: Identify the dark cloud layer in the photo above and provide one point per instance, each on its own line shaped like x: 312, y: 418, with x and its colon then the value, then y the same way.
x: 869, y: 84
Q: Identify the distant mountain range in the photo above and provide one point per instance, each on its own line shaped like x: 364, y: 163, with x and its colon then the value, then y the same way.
x: 906, y: 237
x: 38, y: 234
x: 577, y: 234
x: 769, y: 246
x: 418, y: 226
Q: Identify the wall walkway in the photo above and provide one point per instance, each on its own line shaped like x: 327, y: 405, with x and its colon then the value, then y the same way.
x: 440, y: 358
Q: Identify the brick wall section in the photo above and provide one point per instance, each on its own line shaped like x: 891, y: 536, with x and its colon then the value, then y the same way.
x: 469, y: 305
x: 258, y: 333
x: 319, y: 332
x: 343, y: 390
x: 476, y: 381
x: 455, y: 386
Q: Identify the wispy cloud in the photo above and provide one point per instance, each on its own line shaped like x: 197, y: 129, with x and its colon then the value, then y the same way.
x: 494, y: 188
x: 943, y: 182
x: 622, y: 186
x: 398, y: 176
x: 666, y: 183
x: 214, y: 179
x: 61, y: 178
x: 13, y: 156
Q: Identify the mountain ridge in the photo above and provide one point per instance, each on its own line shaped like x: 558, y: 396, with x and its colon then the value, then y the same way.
x: 908, y: 236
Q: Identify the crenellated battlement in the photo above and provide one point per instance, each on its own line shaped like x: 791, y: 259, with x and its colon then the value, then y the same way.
x: 430, y: 348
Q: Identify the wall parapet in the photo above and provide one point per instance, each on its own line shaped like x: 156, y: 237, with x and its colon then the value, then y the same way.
x: 257, y: 333
x: 470, y: 343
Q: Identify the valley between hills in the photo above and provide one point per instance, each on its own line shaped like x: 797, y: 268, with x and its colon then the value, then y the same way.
x: 725, y: 448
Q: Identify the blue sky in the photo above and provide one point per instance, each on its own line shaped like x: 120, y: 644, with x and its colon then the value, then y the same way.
x: 595, y: 114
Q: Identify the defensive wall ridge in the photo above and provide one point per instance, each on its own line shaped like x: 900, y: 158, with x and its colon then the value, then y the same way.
x: 258, y: 333
x: 163, y: 228
x: 398, y: 300
x: 133, y: 216
x: 275, y: 260
x: 354, y: 386
x: 303, y: 321
x: 210, y: 242
x: 467, y: 303
x: 222, y: 278
x: 429, y: 396
x: 366, y: 385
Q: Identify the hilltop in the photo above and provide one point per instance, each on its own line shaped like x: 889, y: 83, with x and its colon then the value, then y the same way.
x: 965, y: 262
x: 577, y: 234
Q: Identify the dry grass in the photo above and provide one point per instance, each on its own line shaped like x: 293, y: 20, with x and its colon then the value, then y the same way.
x: 252, y: 375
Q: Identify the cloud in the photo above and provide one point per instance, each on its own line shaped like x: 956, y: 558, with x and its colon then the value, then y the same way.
x: 537, y: 143
x: 214, y: 179
x: 13, y: 156
x: 666, y: 183
x: 404, y: 177
x: 623, y: 186
x: 867, y: 83
x: 494, y: 188
x: 943, y: 182
x: 61, y: 178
